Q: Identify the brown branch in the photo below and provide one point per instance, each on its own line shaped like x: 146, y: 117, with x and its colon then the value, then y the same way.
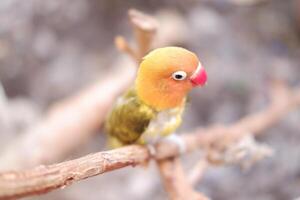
x: 197, y: 172
x: 43, y: 179
x: 122, y: 45
x: 144, y: 27
x: 47, y: 178
x: 175, y: 182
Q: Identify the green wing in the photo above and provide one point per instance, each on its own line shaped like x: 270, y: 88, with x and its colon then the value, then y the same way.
x: 128, y: 120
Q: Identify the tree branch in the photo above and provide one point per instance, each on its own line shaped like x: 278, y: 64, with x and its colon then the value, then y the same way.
x: 144, y: 27
x: 175, y: 181
x: 47, y: 178
x: 197, y: 172
x: 43, y: 179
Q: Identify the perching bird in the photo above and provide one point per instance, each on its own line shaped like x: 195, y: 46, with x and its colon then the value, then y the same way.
x: 153, y: 107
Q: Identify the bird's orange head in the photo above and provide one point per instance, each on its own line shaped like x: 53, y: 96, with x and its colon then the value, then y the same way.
x: 166, y: 75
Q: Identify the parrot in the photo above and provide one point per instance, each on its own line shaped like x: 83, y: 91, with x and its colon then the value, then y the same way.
x: 152, y: 108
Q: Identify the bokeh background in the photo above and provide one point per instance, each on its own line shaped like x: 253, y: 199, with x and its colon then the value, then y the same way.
x: 49, y: 49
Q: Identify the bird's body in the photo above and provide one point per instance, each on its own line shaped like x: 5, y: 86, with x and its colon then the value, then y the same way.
x: 132, y: 121
x: 153, y: 107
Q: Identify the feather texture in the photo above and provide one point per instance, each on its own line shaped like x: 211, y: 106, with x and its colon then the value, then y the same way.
x: 132, y: 121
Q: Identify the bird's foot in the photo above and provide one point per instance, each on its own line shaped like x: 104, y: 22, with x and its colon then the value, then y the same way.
x: 175, y: 139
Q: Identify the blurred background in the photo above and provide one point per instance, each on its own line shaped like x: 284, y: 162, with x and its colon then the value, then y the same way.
x: 50, y: 49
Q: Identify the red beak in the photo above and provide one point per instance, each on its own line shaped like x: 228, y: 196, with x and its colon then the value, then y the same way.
x: 199, y: 77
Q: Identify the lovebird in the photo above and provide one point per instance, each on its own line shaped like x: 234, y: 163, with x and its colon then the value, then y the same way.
x: 152, y: 108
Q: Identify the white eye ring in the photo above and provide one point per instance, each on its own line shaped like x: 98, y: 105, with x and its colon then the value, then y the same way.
x: 179, y: 75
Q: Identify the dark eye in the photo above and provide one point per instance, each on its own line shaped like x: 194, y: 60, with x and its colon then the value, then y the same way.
x: 179, y: 75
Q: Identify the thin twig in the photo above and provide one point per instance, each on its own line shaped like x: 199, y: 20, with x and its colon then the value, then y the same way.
x: 144, y: 27
x: 122, y: 45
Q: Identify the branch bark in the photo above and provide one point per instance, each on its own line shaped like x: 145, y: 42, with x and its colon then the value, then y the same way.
x: 47, y: 178
x: 43, y: 179
x: 175, y: 181
x: 197, y: 172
